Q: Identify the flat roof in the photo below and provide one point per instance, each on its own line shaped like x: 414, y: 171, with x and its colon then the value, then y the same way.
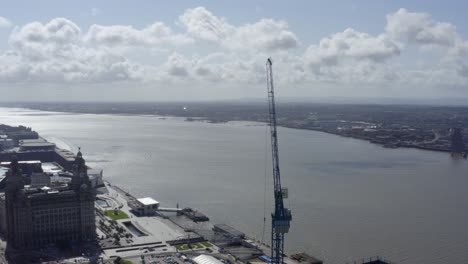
x: 147, y: 201
x: 6, y: 163
x: 51, y: 167
x: 206, y: 259
x: 38, y: 144
x: 38, y: 140
x: 228, y: 229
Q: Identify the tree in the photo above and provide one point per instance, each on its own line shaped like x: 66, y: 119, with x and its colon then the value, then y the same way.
x: 116, y: 238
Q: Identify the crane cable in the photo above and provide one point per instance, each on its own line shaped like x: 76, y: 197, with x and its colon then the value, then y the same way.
x: 265, y: 183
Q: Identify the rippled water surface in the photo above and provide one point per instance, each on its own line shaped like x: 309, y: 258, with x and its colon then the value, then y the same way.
x: 350, y: 199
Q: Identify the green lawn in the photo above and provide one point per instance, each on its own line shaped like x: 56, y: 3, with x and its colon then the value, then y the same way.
x: 193, y: 246
x: 119, y: 215
x: 124, y: 261
x: 206, y: 244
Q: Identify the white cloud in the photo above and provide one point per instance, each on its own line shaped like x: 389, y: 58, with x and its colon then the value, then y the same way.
x: 38, y: 41
x: 5, y: 22
x: 55, y: 52
x: 208, y: 51
x: 263, y: 36
x: 351, y: 57
x: 81, y: 65
x: 447, y: 68
x: 420, y: 28
x: 178, y: 66
x: 355, y: 57
x: 202, y: 24
x: 222, y: 69
x: 60, y: 51
x: 117, y: 35
x: 351, y: 44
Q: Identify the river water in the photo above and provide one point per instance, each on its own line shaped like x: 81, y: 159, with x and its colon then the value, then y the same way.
x: 350, y: 199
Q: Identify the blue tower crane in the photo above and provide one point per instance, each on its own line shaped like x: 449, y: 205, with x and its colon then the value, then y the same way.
x: 281, y: 217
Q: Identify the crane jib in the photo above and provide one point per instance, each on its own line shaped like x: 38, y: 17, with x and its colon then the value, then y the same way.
x: 281, y: 217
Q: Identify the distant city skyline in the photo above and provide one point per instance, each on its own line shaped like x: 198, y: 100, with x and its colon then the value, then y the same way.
x: 212, y: 50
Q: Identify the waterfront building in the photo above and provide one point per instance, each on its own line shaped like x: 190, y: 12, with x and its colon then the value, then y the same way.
x: 228, y: 231
x: 38, y: 216
x: 36, y: 145
x: 144, y: 206
x: 21, y: 133
x: 26, y: 144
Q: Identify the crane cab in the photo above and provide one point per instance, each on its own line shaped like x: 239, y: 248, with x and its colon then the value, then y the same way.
x: 281, y: 223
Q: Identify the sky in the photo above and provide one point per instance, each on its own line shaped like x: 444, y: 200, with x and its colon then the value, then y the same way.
x: 216, y: 50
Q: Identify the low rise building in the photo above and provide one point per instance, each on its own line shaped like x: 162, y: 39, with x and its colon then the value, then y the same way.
x: 228, y: 230
x: 36, y: 145
x: 144, y: 206
x: 6, y: 143
x: 20, y: 133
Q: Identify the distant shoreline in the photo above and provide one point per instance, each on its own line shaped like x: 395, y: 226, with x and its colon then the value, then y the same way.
x: 220, y: 121
x: 375, y: 143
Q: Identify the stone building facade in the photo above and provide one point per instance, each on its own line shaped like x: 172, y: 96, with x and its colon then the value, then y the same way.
x: 36, y: 217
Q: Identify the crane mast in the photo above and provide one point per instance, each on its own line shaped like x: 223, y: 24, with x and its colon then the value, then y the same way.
x: 281, y: 217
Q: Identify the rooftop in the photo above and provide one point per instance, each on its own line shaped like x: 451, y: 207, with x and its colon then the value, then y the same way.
x: 147, y: 201
x: 206, y: 259
x: 7, y: 163
x: 51, y: 167
x: 38, y: 144
x: 228, y: 229
x: 3, y: 172
x: 28, y: 141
